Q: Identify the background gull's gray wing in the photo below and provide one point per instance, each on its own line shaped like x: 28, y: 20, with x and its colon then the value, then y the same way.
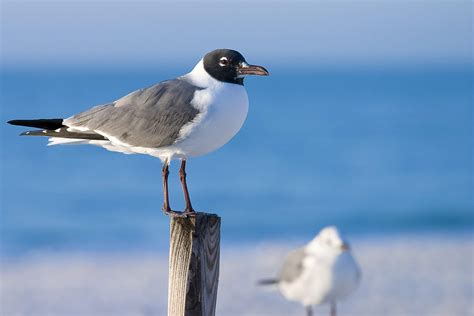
x: 150, y: 117
x: 292, y: 266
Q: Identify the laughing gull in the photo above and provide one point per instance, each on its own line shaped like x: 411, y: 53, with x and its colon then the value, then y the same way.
x: 323, y: 271
x: 185, y: 117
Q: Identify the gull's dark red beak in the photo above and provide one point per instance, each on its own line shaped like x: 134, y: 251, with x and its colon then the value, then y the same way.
x: 245, y: 69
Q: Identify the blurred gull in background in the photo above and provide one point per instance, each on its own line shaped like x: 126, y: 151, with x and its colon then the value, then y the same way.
x: 321, y: 272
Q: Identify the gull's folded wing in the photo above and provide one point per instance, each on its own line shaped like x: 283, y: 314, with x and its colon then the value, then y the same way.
x: 151, y: 117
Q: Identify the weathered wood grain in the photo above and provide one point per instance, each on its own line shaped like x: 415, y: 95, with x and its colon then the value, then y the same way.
x: 194, y: 265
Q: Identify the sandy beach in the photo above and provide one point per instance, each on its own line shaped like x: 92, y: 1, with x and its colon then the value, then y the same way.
x: 431, y: 275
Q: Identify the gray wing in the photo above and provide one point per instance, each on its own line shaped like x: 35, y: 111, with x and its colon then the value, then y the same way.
x: 292, y: 266
x: 150, y: 117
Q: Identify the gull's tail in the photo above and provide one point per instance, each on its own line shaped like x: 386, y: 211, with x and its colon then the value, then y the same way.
x: 55, y: 128
x: 268, y: 284
x: 265, y: 282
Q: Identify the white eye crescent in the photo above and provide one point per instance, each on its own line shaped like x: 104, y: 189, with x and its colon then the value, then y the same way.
x: 223, y: 61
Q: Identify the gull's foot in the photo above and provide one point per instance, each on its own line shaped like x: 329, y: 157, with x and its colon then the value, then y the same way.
x: 186, y: 213
x: 189, y: 212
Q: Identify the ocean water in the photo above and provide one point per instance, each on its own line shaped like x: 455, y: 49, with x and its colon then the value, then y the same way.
x: 371, y: 150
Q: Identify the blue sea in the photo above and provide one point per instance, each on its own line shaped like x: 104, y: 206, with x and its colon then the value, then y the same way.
x: 372, y: 150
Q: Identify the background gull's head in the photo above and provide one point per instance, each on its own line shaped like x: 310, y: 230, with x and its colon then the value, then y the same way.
x: 328, y: 239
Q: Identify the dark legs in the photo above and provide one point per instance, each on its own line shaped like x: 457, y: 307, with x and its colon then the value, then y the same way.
x: 188, y: 211
x: 182, y: 177
x: 309, y: 309
x: 333, y: 309
x: 166, y: 200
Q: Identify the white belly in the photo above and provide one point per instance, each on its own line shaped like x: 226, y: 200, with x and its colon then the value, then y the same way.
x: 323, y: 283
x: 223, y: 113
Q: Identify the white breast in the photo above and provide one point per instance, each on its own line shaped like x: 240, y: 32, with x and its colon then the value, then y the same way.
x: 223, y: 112
x: 323, y: 281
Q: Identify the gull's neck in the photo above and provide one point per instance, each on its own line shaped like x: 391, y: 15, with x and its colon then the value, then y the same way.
x: 313, y: 245
x: 199, y: 77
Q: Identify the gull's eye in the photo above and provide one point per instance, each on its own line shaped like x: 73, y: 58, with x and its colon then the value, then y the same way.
x: 223, y: 61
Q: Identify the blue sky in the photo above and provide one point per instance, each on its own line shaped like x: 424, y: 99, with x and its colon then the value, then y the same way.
x: 316, y: 33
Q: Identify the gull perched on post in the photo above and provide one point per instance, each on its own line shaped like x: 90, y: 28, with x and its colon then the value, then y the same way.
x: 321, y: 272
x: 185, y: 117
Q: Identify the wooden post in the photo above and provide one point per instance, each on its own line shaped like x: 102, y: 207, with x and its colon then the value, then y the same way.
x: 194, y: 265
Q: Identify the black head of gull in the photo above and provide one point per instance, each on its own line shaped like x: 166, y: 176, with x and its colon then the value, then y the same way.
x: 230, y: 66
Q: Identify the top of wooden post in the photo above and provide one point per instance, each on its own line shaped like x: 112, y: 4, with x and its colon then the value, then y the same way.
x: 194, y: 265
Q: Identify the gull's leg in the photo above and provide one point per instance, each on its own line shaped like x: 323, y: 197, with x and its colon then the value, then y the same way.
x: 309, y: 310
x: 333, y: 309
x: 182, y: 176
x: 166, y: 200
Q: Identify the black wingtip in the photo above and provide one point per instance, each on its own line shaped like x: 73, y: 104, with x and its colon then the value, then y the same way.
x: 49, y: 124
